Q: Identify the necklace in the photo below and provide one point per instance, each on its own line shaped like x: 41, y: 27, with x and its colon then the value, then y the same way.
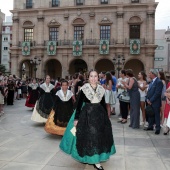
x: 94, y: 89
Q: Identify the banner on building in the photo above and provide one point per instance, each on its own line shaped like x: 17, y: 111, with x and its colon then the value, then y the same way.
x: 104, y: 47
x: 51, y: 48
x: 26, y: 48
x: 77, y: 48
x: 135, y: 46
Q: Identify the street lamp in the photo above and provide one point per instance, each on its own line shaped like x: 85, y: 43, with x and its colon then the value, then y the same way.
x: 119, y: 61
x: 35, y: 62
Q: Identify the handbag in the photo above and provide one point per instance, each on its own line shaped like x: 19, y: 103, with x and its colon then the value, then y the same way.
x: 149, y: 111
x: 124, y: 97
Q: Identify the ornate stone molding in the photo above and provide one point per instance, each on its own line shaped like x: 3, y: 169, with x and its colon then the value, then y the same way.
x: 54, y: 23
x: 105, y: 21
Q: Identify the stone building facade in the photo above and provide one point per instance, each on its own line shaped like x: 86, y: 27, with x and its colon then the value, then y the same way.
x: 64, y: 21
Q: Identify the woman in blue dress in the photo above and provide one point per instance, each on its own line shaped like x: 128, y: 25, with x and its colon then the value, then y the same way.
x: 88, y: 137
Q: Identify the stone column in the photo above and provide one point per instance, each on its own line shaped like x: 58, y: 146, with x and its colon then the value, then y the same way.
x: 14, y: 65
x: 40, y: 30
x: 64, y: 66
x: 120, y: 30
x: 15, y: 32
x: 150, y: 27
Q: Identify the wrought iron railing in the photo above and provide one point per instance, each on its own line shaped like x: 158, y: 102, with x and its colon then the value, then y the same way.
x: 32, y: 43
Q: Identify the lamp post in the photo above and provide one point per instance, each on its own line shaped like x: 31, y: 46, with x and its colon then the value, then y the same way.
x: 35, y: 62
x: 119, y: 62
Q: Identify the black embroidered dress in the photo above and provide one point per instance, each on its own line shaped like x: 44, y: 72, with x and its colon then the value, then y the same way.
x: 44, y: 104
x: 93, y: 142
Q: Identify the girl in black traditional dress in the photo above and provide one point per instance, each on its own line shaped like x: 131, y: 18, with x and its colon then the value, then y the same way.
x: 45, y: 103
x: 32, y: 94
x: 11, y: 90
x: 63, y: 109
x: 88, y: 137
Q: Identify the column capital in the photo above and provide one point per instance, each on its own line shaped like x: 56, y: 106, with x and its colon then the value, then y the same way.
x: 40, y: 18
x: 15, y: 19
x: 119, y: 14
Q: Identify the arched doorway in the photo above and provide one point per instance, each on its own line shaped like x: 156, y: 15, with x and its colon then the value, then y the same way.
x: 77, y: 65
x: 26, y: 70
x: 104, y: 65
x: 53, y: 69
x: 135, y: 65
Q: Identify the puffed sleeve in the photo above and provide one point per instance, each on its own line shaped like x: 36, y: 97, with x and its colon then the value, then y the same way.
x: 81, y: 97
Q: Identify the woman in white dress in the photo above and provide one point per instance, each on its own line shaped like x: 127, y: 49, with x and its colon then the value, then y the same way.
x: 109, y: 95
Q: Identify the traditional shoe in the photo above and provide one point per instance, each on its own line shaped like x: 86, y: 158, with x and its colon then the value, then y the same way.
x: 100, y: 168
x: 157, y: 132
x: 167, y: 132
x: 148, y: 129
x: 123, y: 122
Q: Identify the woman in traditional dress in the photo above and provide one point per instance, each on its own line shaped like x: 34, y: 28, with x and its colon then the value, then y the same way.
x: 32, y: 94
x: 11, y: 90
x: 45, y: 103
x: 88, y: 137
x: 1, y: 97
x: 63, y: 109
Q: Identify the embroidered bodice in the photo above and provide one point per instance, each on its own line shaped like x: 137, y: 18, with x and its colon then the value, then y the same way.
x: 64, y: 97
x: 88, y: 95
x: 46, y: 88
x: 33, y: 86
x: 95, y: 96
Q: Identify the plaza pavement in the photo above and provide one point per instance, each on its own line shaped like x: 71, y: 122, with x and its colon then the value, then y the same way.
x: 24, y: 145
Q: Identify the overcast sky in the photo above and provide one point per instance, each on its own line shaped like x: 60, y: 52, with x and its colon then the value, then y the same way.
x: 162, y: 12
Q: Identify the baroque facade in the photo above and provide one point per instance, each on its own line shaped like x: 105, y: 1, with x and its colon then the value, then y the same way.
x: 119, y: 21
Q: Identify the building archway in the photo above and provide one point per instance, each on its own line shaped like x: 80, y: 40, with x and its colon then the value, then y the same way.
x: 77, y: 65
x: 26, y: 70
x: 104, y: 65
x: 53, y: 68
x: 136, y: 65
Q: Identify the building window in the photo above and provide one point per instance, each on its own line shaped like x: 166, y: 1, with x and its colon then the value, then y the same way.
x: 55, y: 3
x: 5, y: 38
x: 78, y: 32
x: 105, y: 32
x: 28, y: 34
x: 5, y: 48
x: 135, y: 1
x: 53, y: 34
x: 28, y: 3
x: 158, y: 59
x: 79, y: 2
x: 104, y: 1
x: 134, y: 31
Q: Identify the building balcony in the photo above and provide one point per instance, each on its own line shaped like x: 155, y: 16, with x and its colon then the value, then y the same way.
x: 32, y: 43
x: 6, y: 32
x: 84, y: 42
x: 142, y: 41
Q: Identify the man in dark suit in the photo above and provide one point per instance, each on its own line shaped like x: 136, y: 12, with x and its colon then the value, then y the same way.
x: 154, y: 99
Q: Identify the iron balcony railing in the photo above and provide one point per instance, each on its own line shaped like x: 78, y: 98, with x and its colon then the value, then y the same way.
x: 32, y: 43
x: 84, y: 42
x: 142, y: 41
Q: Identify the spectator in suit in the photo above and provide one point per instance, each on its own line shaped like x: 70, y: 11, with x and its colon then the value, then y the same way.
x: 154, y: 99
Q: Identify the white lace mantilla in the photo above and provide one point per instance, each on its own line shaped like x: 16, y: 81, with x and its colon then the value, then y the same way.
x: 33, y: 86
x: 63, y: 97
x: 46, y: 88
x: 93, y: 96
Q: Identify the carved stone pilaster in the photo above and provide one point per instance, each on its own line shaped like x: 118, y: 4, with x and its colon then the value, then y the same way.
x: 150, y: 14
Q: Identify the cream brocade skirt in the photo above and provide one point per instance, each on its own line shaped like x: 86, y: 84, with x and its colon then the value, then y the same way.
x: 168, y: 121
x: 36, y: 117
